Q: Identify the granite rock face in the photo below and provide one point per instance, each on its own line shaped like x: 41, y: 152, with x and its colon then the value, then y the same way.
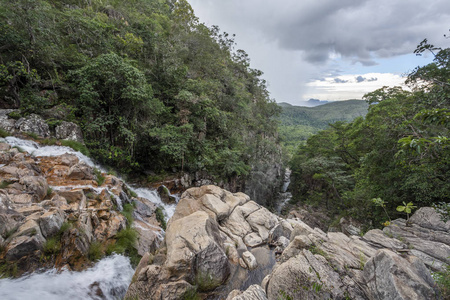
x: 205, y: 240
x: 213, y: 230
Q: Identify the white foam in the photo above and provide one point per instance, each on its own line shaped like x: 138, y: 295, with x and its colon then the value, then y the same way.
x: 152, y: 195
x: 112, y: 275
x: 36, y: 149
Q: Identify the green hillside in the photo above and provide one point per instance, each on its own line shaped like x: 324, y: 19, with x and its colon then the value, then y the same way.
x: 297, y: 123
x: 151, y: 87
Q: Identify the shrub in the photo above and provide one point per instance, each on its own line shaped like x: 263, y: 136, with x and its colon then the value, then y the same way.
x: 49, y: 191
x: 4, y: 184
x: 95, y: 251
x: 99, y: 176
x: 125, y: 244
x: 77, y: 146
x: 127, y: 212
x: 52, y: 245
x: 16, y: 115
x: 48, y: 142
x: 442, y: 279
x: 32, y: 135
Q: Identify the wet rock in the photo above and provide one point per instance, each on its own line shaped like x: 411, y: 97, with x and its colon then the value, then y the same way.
x: 249, y: 260
x: 81, y: 171
x: 68, y: 159
x: 150, y: 237
x: 69, y: 131
x: 165, y: 196
x: 4, y: 146
x: 33, y: 124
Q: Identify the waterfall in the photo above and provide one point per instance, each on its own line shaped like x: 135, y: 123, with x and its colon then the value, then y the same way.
x: 108, y: 279
x: 284, y: 196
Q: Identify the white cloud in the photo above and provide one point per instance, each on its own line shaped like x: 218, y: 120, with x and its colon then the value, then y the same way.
x: 349, y: 87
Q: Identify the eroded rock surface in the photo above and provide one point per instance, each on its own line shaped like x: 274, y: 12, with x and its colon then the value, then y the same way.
x: 52, y: 210
x: 207, y: 240
x: 213, y: 230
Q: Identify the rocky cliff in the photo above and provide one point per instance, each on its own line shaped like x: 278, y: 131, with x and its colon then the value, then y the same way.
x: 220, y: 245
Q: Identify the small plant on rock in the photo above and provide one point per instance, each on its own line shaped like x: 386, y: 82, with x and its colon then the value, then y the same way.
x: 160, y: 217
x: 99, y: 176
x: 381, y: 203
x: 407, y: 208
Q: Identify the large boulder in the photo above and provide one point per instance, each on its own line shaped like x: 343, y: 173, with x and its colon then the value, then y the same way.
x: 33, y: 124
x: 50, y: 222
x: 69, y: 131
x: 390, y: 276
x: 195, y: 250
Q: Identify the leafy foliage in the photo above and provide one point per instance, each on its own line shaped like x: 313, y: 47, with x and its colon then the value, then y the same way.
x: 298, y: 123
x: 399, y: 152
x: 152, y: 87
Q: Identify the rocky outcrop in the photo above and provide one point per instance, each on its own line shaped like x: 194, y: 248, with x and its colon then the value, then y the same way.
x: 69, y: 131
x: 52, y: 211
x: 215, y: 236
x: 207, y: 243
x: 388, y: 264
x: 35, y: 124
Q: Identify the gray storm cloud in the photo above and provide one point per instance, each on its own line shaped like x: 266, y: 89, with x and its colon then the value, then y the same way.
x: 357, y: 29
x: 295, y: 42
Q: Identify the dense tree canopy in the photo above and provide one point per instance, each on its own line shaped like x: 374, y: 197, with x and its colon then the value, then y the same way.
x: 399, y: 152
x: 151, y: 87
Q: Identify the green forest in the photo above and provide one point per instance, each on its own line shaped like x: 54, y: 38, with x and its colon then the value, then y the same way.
x: 298, y: 123
x: 151, y: 87
x: 398, y: 154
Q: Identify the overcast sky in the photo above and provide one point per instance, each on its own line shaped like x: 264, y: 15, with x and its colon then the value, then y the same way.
x: 329, y: 49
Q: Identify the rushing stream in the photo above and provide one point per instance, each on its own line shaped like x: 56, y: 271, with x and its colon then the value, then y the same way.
x: 108, y: 279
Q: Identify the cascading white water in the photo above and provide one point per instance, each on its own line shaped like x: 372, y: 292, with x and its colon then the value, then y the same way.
x: 36, y: 149
x: 152, y: 195
x: 111, y: 275
x: 108, y: 279
x: 284, y: 196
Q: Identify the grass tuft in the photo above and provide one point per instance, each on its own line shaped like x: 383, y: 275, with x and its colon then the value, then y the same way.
x: 160, y: 217
x: 76, y: 146
x: 4, y: 133
x: 99, y: 176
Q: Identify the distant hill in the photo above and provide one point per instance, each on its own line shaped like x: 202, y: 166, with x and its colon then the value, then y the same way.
x: 297, y: 123
x: 309, y: 103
